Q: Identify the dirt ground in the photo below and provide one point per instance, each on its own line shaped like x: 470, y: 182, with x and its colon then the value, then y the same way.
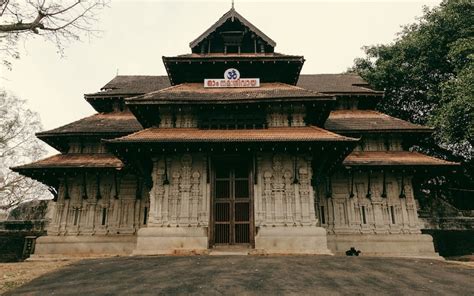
x: 246, y: 275
x: 13, y: 275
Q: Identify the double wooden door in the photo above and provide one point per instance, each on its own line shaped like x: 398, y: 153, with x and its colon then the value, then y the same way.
x: 232, y: 206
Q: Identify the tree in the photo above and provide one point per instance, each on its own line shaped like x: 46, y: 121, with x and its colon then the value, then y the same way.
x: 427, y: 74
x: 18, y: 144
x: 58, y: 21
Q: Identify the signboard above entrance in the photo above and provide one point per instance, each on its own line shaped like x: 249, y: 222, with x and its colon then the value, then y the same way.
x: 232, y: 79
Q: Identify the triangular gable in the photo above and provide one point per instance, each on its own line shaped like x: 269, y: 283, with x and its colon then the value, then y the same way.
x: 232, y: 14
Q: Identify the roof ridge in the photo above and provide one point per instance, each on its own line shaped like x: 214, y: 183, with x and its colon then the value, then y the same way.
x: 234, y: 14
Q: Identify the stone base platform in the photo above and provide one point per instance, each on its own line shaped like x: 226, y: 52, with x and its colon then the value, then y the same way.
x: 84, y: 246
x: 390, y: 245
x: 171, y: 240
x: 292, y: 240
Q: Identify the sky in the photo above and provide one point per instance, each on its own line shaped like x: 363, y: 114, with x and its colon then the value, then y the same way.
x: 136, y: 34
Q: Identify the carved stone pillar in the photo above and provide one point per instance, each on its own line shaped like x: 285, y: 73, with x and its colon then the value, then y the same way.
x: 180, y: 214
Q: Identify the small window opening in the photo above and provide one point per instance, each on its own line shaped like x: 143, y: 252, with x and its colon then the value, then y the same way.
x: 323, y: 216
x: 364, y: 218
x: 104, y: 215
x: 76, y: 216
x: 392, y: 214
x: 145, y: 215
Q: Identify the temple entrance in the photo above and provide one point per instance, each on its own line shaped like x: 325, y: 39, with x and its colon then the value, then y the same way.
x: 232, y: 203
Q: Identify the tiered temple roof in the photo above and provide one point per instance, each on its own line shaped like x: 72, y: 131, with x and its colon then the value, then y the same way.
x: 130, y: 114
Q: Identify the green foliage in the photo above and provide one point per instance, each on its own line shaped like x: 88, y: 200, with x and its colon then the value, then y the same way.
x: 427, y: 74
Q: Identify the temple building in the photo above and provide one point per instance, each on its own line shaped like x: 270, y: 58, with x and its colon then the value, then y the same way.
x: 234, y: 148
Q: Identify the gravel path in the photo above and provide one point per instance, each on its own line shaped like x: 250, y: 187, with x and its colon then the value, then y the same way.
x: 255, y: 275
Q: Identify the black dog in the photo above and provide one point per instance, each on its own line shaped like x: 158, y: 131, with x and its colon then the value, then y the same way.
x: 353, y: 252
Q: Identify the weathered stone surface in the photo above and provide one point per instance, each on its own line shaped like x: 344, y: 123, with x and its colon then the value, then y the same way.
x: 393, y: 245
x: 171, y: 240
x: 292, y: 240
x: 84, y: 245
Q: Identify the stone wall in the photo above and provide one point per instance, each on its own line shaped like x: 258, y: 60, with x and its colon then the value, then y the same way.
x: 88, y: 206
x: 185, y: 201
x: 355, y: 206
x: 280, y: 200
x: 284, y: 206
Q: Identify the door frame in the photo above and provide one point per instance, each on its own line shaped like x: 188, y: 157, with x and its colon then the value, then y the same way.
x: 216, y: 159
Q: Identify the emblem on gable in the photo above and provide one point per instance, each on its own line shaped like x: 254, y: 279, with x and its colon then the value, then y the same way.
x: 232, y: 74
x: 232, y: 79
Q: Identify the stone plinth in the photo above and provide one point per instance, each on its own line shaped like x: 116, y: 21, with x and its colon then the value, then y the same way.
x: 393, y: 245
x: 85, y: 245
x: 171, y: 240
x: 292, y: 240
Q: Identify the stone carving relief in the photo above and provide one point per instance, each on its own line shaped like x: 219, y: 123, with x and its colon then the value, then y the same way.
x: 99, y: 214
x: 390, y: 214
x: 290, y: 213
x: 283, y: 201
x: 181, y: 202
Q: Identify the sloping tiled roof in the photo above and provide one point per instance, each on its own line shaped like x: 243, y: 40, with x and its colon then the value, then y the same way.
x: 75, y: 160
x: 393, y: 158
x: 101, y: 123
x: 232, y: 13
x: 322, y: 83
x: 133, y: 85
x: 196, y: 92
x: 369, y: 121
x: 283, y: 134
x: 336, y: 84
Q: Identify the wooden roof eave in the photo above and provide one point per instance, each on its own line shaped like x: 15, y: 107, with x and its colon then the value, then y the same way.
x: 421, y: 168
x: 50, y: 176
x: 99, y: 135
x: 142, y: 101
x: 97, y: 96
x: 229, y: 58
x: 427, y: 131
x: 326, y: 166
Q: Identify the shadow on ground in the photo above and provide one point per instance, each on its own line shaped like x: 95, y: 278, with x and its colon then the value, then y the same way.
x: 254, y: 275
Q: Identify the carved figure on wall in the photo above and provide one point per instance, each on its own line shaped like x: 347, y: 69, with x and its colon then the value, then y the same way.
x: 278, y: 188
x: 174, y: 196
x: 195, y: 196
x: 267, y: 195
x: 289, y: 197
x: 304, y: 194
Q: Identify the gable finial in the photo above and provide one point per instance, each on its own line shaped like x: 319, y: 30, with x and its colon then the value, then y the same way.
x: 232, y: 4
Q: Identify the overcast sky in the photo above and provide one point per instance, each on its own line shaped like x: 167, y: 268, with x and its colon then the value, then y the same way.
x: 136, y: 34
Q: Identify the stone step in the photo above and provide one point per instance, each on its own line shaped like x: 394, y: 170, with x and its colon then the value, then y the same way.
x: 229, y: 252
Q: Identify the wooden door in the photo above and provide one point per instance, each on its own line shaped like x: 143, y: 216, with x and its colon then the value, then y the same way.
x: 232, y: 207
